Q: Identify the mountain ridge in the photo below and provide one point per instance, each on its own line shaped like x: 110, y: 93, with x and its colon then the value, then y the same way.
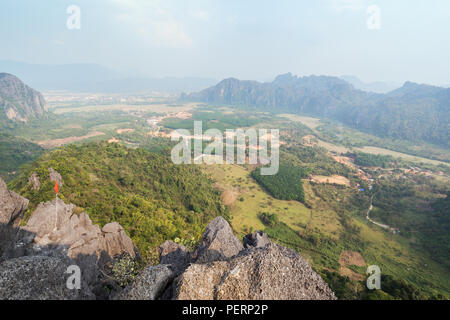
x: 415, y: 112
x: 18, y: 101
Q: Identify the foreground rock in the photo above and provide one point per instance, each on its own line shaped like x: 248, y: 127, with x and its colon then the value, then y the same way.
x: 220, y: 268
x: 54, y: 238
x: 12, y: 206
x: 218, y: 243
x: 149, y: 285
x: 267, y: 273
x: 56, y: 227
x: 174, y: 254
x: 39, y: 278
x: 257, y: 239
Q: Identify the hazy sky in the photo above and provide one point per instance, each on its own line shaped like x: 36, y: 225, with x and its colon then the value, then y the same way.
x: 247, y: 39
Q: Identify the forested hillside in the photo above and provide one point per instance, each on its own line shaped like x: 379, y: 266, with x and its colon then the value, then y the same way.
x: 14, y: 152
x: 153, y: 199
x: 413, y: 112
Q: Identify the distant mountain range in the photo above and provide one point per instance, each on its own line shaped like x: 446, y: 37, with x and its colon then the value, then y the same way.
x: 414, y: 112
x: 97, y: 79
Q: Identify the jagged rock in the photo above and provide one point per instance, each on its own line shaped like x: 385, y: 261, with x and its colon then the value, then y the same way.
x: 34, y: 181
x: 267, y: 273
x: 18, y: 102
x: 54, y: 223
x: 12, y: 206
x: 55, y: 176
x: 218, y: 243
x: 54, y: 231
x: 256, y: 239
x: 174, y: 254
x: 38, y: 278
x: 116, y: 241
x: 149, y: 284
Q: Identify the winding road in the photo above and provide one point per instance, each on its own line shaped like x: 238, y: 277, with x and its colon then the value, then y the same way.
x: 384, y: 226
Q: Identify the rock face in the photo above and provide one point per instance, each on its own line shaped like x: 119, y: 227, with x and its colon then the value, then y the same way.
x: 54, y: 224
x: 12, y: 206
x: 38, y: 278
x: 219, y: 242
x: 18, y: 102
x: 149, y: 285
x: 220, y: 268
x: 55, y: 176
x: 257, y: 239
x: 268, y: 273
x: 34, y: 181
x: 174, y: 254
x: 54, y: 238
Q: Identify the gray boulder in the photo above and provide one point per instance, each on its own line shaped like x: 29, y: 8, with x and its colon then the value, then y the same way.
x: 256, y: 239
x: 149, y: 284
x: 39, y: 278
x: 12, y: 206
x: 175, y: 254
x: 34, y: 181
x: 218, y: 243
x: 55, y: 224
x: 267, y: 273
x: 55, y: 176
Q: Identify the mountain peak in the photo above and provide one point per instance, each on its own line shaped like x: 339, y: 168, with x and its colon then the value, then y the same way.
x: 19, y: 102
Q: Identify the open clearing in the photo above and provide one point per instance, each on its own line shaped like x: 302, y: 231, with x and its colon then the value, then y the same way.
x: 120, y: 131
x: 376, y: 150
x: 156, y: 108
x: 351, y: 258
x: 311, y: 123
x: 252, y: 200
x: 48, y: 144
x: 334, y: 179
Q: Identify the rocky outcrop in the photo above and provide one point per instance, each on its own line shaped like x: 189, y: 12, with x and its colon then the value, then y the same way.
x: 54, y: 238
x: 149, y: 285
x: 39, y: 278
x: 267, y: 273
x: 177, y: 255
x: 55, y: 176
x: 18, y: 102
x: 12, y: 206
x: 55, y: 225
x: 257, y: 239
x: 218, y: 243
x: 220, y: 268
x: 34, y: 181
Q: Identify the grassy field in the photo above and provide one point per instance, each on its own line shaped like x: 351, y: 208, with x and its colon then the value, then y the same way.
x: 391, y: 252
x: 382, y: 151
x: 311, y: 123
x: 156, y: 108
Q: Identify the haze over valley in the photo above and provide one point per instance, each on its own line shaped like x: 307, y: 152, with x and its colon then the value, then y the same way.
x: 354, y: 116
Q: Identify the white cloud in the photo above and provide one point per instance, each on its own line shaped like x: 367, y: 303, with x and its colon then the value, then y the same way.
x: 152, y: 22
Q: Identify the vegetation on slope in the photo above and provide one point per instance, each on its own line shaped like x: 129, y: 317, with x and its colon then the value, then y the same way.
x: 15, y: 152
x: 285, y: 185
x: 153, y: 199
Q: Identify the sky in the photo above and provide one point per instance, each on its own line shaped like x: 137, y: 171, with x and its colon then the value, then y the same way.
x: 375, y: 40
